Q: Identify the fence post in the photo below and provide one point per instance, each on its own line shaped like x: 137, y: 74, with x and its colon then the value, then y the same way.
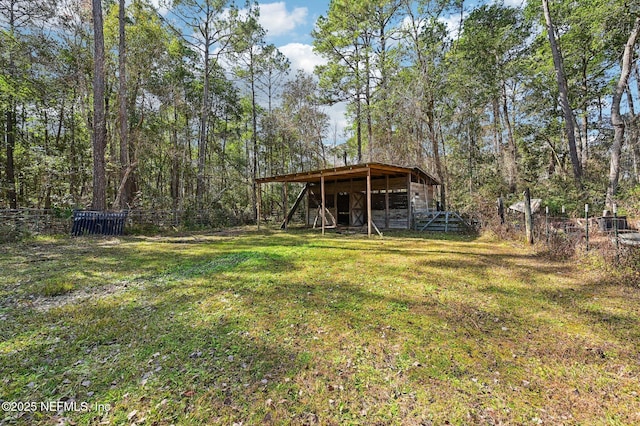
x: 546, y: 222
x: 528, y: 216
x: 586, y: 220
x: 615, y: 224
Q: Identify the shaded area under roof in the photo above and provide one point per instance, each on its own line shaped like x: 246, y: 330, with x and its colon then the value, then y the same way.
x: 354, y: 171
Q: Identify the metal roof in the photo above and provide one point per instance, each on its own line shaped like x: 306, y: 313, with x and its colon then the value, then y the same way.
x: 349, y: 172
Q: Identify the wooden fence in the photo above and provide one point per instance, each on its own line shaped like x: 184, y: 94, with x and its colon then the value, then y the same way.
x: 35, y: 221
x: 41, y: 221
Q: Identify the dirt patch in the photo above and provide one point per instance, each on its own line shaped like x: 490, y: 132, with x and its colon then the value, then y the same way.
x: 44, y: 304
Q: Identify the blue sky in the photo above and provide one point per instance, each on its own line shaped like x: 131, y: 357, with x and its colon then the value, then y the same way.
x: 289, y: 24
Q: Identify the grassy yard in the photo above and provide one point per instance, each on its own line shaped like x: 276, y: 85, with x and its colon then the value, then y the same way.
x: 274, y: 328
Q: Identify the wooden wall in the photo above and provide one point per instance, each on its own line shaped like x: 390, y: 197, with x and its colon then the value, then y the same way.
x: 421, y: 194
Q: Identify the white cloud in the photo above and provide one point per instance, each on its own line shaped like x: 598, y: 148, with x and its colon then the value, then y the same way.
x: 515, y: 3
x: 338, y: 123
x: 453, y: 24
x: 161, y: 6
x: 302, y: 56
x: 275, y: 18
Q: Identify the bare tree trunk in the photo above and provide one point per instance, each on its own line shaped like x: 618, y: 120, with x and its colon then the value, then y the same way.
x: 124, y: 189
x: 123, y: 182
x: 10, y: 133
x: 635, y: 140
x: 254, y: 138
x: 584, y: 142
x: 435, y: 146
x: 73, y: 160
x: 204, y: 116
x: 564, y: 95
x: 512, y: 151
x: 584, y: 149
x: 616, y: 118
x: 202, y: 139
x: 367, y: 96
x: 528, y: 216
x: 445, y: 178
x: 11, y: 143
x: 634, y: 135
x: 99, y: 122
x: 175, y: 156
x: 358, y: 109
x: 497, y: 132
x: 359, y: 126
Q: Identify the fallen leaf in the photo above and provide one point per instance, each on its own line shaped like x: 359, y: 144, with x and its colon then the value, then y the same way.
x: 132, y: 414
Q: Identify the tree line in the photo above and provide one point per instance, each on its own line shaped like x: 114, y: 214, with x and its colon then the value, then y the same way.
x: 112, y: 104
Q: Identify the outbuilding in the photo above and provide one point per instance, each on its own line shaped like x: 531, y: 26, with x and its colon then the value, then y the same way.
x: 375, y: 195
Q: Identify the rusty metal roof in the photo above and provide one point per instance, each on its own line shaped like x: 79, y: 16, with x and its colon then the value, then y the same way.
x: 350, y: 172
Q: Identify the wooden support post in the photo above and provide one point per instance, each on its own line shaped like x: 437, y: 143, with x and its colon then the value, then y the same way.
x: 350, y: 202
x: 369, y: 202
x: 308, y: 207
x: 335, y: 201
x: 322, y: 200
x: 409, y: 212
x: 426, y: 196
x: 284, y: 206
x: 258, y: 202
x: 386, y: 203
x: 376, y: 228
x: 289, y: 215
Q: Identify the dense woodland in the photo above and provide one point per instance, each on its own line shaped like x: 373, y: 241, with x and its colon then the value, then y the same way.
x: 114, y: 105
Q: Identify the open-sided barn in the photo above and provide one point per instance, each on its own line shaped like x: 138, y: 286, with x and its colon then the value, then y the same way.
x: 375, y: 195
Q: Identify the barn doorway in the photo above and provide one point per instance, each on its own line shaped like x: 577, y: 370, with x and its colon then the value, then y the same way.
x: 358, y: 209
x: 343, y: 208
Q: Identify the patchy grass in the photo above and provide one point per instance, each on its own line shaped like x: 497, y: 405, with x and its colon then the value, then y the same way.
x: 274, y: 328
